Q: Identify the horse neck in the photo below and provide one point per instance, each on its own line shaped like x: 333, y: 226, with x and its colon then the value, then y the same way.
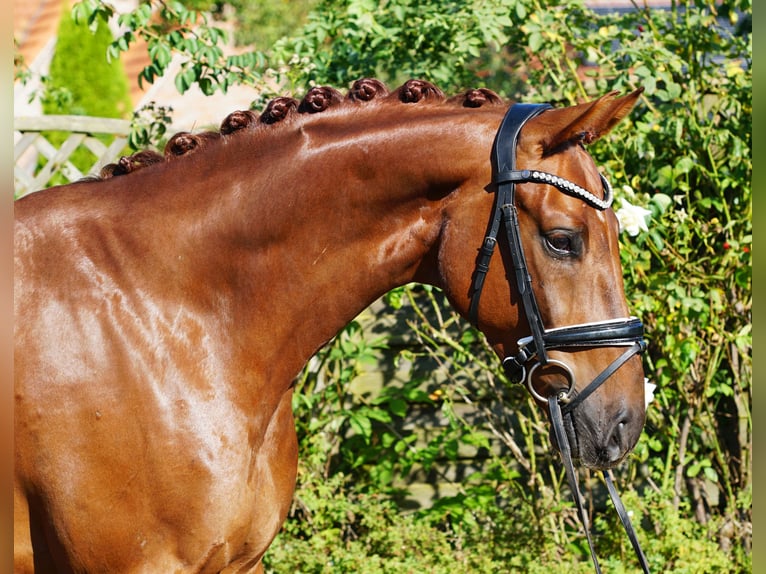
x: 318, y: 223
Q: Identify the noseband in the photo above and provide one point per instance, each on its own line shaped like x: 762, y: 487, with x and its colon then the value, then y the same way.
x: 533, y: 350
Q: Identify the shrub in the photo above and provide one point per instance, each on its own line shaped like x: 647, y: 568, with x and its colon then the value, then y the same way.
x: 81, y: 81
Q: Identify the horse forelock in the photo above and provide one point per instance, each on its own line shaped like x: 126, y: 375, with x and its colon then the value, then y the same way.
x: 284, y: 111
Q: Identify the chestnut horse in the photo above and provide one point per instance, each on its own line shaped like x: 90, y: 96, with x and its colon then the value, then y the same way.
x: 164, y: 309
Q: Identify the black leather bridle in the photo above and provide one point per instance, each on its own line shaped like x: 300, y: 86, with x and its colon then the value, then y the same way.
x: 617, y: 332
x: 533, y: 350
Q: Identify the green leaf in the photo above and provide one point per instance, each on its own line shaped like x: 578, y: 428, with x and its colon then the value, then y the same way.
x: 684, y: 165
x: 184, y: 80
x: 535, y: 41
x: 160, y: 54
x: 377, y: 414
x: 398, y: 407
x: 361, y: 425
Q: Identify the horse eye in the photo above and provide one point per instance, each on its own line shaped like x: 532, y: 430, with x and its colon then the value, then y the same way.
x: 562, y: 244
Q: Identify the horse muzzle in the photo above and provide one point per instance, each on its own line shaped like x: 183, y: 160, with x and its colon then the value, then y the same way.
x: 597, y: 443
x: 600, y: 435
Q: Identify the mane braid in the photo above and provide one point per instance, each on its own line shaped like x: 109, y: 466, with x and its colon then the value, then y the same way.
x: 238, y: 120
x: 126, y: 164
x: 414, y: 91
x: 318, y: 99
x: 278, y: 109
x: 284, y: 108
x: 476, y: 98
x: 185, y: 142
x: 367, y: 89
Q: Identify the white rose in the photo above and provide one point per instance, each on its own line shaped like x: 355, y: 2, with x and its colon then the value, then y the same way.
x: 632, y: 218
x: 648, y: 392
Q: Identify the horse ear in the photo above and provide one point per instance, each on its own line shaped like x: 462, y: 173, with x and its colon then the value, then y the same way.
x: 587, y: 122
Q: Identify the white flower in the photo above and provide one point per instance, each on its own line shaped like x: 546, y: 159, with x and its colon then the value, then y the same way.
x: 648, y: 392
x: 632, y: 218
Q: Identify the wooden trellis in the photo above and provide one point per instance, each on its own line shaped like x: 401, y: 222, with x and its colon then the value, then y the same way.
x: 37, y: 160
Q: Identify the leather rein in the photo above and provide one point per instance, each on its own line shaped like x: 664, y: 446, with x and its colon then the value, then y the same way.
x: 623, y: 332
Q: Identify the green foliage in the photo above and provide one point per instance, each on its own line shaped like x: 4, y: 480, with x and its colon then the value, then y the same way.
x: 434, y: 40
x: 174, y: 28
x: 444, y: 41
x: 371, y: 535
x: 689, y: 159
x: 677, y: 543
x: 148, y: 125
x: 260, y: 23
x: 81, y: 81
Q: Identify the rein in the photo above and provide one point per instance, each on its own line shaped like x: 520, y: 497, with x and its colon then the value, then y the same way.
x: 623, y: 332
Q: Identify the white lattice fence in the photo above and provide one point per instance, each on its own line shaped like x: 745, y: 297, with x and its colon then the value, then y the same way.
x: 37, y: 160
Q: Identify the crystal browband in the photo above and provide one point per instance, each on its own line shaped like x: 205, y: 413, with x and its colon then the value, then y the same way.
x: 563, y: 185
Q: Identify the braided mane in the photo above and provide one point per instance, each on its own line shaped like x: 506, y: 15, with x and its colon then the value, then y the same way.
x: 283, y: 109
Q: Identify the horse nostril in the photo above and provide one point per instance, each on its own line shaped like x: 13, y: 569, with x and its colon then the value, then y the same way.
x: 616, y: 445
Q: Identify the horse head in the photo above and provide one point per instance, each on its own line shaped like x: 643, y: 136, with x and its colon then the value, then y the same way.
x: 555, y: 309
